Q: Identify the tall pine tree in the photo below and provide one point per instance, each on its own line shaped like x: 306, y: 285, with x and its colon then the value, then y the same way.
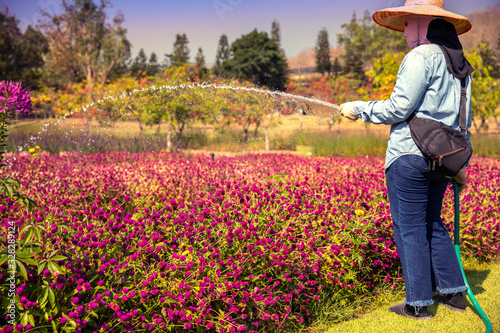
x: 336, y: 68
x: 138, y: 68
x: 180, y: 54
x: 201, y: 68
x: 221, y: 55
x: 323, y: 62
x: 276, y: 33
x: 276, y: 36
x: 153, y: 66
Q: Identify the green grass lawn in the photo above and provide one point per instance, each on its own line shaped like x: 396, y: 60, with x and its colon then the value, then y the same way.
x: 484, y: 281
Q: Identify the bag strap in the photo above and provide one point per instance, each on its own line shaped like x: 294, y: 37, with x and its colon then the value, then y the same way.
x: 462, y: 112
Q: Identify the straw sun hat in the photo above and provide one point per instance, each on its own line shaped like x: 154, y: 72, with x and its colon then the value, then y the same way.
x: 392, y: 18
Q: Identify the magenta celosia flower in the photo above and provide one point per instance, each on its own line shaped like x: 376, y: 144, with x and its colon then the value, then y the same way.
x: 293, y: 245
x: 13, y: 98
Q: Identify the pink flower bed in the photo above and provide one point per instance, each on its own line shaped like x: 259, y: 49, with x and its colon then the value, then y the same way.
x: 250, y: 243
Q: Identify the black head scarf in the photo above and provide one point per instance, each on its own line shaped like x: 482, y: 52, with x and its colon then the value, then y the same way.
x: 443, y: 33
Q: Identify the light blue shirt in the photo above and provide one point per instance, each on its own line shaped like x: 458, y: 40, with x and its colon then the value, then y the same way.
x: 424, y: 85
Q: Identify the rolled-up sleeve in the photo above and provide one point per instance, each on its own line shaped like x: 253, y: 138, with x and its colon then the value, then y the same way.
x: 411, y: 84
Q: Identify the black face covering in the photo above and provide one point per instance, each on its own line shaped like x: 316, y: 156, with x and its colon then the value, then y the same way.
x: 443, y: 33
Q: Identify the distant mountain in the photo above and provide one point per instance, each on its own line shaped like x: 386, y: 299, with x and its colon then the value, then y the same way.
x: 485, y: 25
x: 307, y: 57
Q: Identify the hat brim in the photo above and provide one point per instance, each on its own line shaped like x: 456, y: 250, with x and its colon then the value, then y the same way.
x: 393, y: 18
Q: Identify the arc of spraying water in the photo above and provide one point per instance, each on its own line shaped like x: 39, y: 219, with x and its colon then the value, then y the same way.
x: 309, y: 106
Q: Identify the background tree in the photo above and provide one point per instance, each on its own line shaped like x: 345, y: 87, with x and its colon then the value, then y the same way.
x: 354, y: 39
x: 22, y: 54
x: 364, y: 41
x: 276, y: 33
x: 323, y: 62
x: 383, y: 41
x: 138, y: 68
x: 153, y: 66
x: 257, y: 58
x: 276, y: 36
x: 200, y: 65
x: 115, y: 53
x: 384, y: 74
x: 245, y: 109
x: 485, y: 90
x: 336, y: 67
x: 221, y: 55
x: 83, y: 46
x: 490, y: 58
x: 180, y: 53
x: 498, y: 45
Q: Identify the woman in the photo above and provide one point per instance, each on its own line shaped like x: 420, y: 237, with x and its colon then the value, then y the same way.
x: 428, y: 84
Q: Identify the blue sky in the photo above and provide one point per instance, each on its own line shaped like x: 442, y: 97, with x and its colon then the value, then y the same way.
x: 153, y: 24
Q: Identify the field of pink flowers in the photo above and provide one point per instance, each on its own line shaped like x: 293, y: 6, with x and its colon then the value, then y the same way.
x: 172, y: 242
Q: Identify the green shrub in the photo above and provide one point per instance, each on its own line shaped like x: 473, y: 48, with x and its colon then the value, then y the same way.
x: 486, y: 146
x: 346, y: 145
x: 193, y: 140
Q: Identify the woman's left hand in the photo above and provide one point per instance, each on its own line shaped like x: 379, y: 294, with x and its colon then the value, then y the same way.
x: 461, y: 180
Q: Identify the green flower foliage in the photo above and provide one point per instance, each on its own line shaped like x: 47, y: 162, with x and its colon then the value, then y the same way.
x: 485, y: 90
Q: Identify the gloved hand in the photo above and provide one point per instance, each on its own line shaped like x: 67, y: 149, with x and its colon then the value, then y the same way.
x: 461, y: 180
x: 347, y: 112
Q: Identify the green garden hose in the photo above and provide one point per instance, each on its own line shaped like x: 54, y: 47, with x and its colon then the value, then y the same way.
x: 456, y: 237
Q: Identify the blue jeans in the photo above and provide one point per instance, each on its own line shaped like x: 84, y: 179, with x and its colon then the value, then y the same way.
x: 424, y: 246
